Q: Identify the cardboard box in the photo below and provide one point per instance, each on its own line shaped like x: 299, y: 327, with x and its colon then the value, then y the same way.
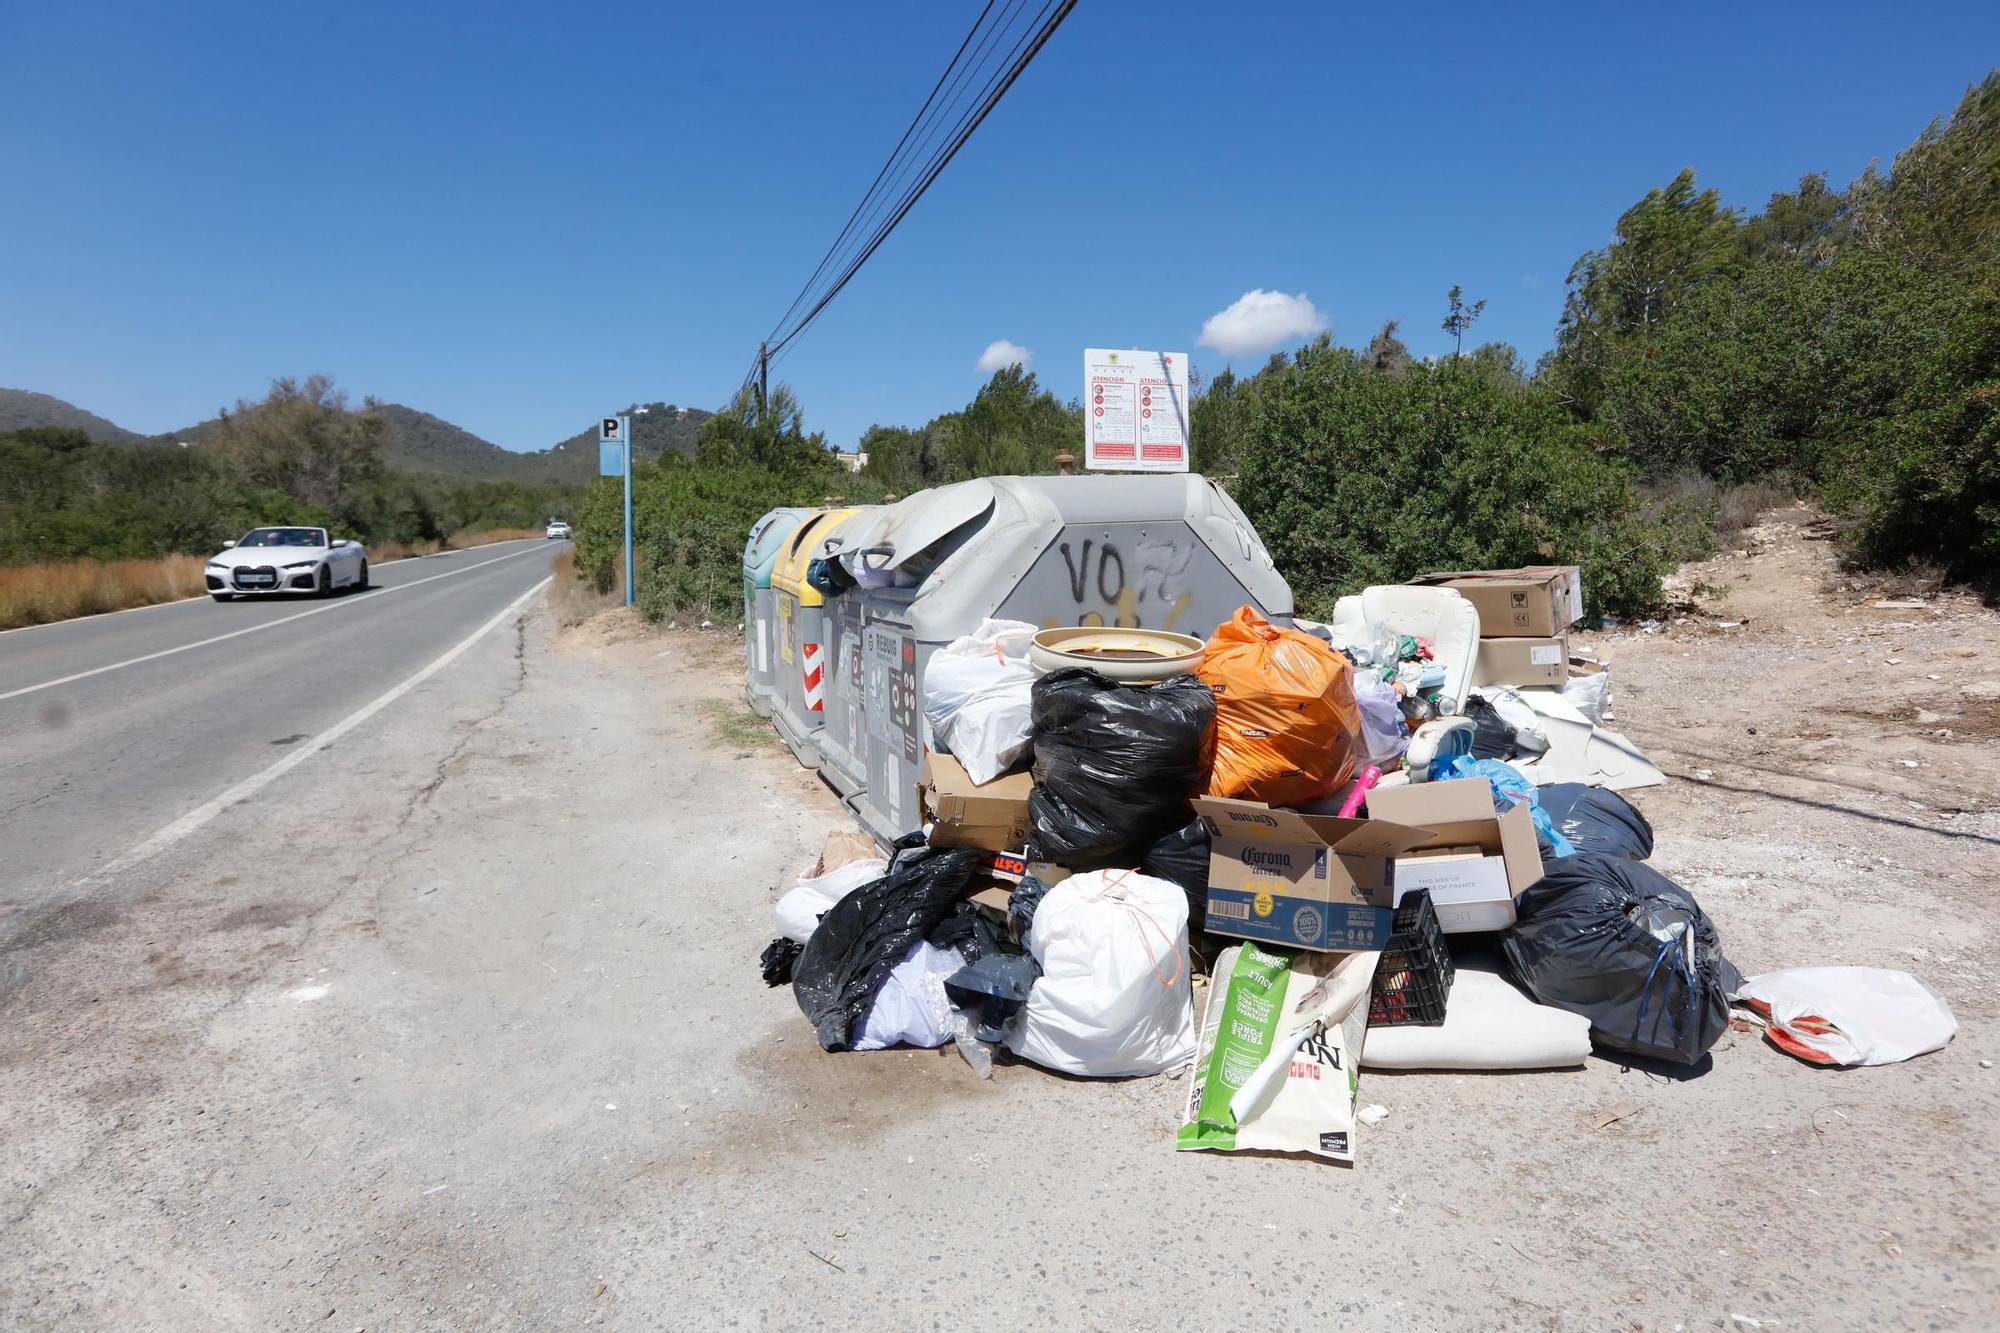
x: 1300, y: 881
x: 1522, y: 662
x: 1484, y: 859
x: 1533, y: 602
x: 963, y: 814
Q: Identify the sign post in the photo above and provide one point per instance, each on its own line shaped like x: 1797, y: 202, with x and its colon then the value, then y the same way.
x: 1135, y: 413
x: 614, y: 456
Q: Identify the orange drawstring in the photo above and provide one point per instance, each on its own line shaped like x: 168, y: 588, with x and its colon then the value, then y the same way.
x: 1115, y: 879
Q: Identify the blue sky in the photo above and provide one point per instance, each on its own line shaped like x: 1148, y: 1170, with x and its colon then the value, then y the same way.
x: 517, y: 216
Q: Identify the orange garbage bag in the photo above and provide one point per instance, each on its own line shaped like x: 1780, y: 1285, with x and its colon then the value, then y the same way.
x: 1287, y: 728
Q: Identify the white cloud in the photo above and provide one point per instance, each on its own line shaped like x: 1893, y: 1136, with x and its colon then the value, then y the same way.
x: 1000, y: 354
x: 1259, y: 319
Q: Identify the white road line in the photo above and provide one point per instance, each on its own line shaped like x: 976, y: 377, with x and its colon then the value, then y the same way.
x: 202, y: 596
x: 194, y: 819
x: 374, y: 596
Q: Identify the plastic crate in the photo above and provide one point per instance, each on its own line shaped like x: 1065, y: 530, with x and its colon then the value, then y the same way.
x: 1413, y: 977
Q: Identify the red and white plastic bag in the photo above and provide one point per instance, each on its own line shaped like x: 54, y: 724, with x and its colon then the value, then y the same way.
x: 1849, y: 1015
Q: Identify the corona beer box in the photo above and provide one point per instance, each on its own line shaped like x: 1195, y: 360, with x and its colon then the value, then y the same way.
x: 1300, y: 881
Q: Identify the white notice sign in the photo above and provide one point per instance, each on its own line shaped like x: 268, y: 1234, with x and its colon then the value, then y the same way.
x: 1135, y: 411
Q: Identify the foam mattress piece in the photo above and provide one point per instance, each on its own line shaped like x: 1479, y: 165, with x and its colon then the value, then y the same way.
x: 1488, y: 1026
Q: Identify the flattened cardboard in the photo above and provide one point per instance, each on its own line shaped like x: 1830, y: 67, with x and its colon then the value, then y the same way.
x: 962, y: 813
x: 1535, y: 601
x: 1459, y: 813
x: 1297, y: 880
x: 1526, y: 662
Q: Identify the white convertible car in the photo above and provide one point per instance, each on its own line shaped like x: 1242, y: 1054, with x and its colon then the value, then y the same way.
x: 270, y: 560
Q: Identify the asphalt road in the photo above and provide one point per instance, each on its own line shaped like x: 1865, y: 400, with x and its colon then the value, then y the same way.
x: 114, y: 727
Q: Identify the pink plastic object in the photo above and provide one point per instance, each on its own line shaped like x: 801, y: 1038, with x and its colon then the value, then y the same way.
x: 1352, y: 805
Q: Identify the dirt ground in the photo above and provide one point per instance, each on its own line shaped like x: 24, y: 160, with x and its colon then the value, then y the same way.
x: 508, y: 1062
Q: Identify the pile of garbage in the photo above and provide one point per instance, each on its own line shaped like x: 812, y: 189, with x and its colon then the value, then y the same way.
x: 1395, y: 841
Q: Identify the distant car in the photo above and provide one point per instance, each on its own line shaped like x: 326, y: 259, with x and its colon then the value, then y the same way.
x: 293, y: 560
x: 558, y: 529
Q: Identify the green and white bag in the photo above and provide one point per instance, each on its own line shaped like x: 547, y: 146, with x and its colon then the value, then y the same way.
x: 1278, y: 1058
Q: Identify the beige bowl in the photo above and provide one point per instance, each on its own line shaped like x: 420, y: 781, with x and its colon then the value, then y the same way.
x: 1128, y: 656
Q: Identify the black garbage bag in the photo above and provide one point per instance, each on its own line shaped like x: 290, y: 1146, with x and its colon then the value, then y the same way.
x: 971, y: 932
x: 865, y: 935
x: 992, y: 990
x: 1182, y: 858
x: 1115, y: 765
x: 780, y: 956
x: 1597, y: 819
x: 1492, y: 735
x: 1022, y: 902
x: 829, y: 577
x: 1629, y: 949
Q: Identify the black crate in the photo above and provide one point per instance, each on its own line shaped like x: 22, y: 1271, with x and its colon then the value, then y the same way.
x: 1414, y: 975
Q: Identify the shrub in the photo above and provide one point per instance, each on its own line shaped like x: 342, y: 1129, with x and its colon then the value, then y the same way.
x: 1357, y: 478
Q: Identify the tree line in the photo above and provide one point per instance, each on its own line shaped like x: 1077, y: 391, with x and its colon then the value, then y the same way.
x: 1842, y: 342
x: 302, y: 454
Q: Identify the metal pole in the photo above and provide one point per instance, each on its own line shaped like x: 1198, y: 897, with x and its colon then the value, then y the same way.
x: 628, y: 511
x: 763, y: 381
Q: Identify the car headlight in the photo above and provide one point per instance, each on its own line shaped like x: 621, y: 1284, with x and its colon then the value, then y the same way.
x: 218, y: 567
x: 302, y: 564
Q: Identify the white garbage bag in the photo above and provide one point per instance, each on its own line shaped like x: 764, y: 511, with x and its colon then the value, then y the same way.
x: 977, y: 697
x: 1849, y: 1015
x: 1488, y: 1025
x: 1114, y: 998
x: 800, y: 909
x: 912, y: 1009
x: 1590, y: 694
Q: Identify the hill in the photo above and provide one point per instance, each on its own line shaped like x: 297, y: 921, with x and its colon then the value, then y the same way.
x: 420, y: 442
x: 23, y: 408
x: 656, y: 428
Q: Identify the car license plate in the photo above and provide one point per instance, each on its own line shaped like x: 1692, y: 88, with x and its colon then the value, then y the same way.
x: 255, y: 580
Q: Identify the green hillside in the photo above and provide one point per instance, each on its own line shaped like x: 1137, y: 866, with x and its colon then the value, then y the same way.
x: 656, y: 429
x: 420, y: 442
x: 21, y: 409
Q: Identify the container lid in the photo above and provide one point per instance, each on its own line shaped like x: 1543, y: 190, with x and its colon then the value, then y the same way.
x: 767, y: 537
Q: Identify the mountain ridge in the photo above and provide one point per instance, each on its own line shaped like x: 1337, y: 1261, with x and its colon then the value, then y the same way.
x: 23, y: 409
x: 419, y: 441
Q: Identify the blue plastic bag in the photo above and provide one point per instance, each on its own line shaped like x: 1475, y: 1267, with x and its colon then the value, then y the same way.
x: 1512, y: 786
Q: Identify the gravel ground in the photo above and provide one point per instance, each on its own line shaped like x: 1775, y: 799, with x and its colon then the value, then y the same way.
x: 495, y: 1053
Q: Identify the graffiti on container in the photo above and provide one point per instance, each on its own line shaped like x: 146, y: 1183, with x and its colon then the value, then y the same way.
x: 1146, y: 584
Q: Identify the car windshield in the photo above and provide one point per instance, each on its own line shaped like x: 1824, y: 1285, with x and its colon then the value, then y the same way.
x: 283, y: 537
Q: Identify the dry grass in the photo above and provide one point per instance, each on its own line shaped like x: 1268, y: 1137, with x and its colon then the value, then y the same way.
x: 572, y: 598
x: 1727, y: 510
x: 459, y: 541
x: 38, y: 594
x: 381, y: 553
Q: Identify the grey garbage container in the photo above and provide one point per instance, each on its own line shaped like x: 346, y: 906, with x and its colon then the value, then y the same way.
x: 1160, y: 552
x: 841, y: 741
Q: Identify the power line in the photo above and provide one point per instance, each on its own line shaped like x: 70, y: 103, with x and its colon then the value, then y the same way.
x: 889, y: 162
x: 967, y: 125
x: 994, y: 88
x: 944, y: 116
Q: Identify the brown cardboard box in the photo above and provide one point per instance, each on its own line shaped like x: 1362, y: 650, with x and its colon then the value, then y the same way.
x: 962, y: 814
x: 1533, y: 602
x: 1522, y: 662
x: 1300, y: 881
x: 1466, y: 840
